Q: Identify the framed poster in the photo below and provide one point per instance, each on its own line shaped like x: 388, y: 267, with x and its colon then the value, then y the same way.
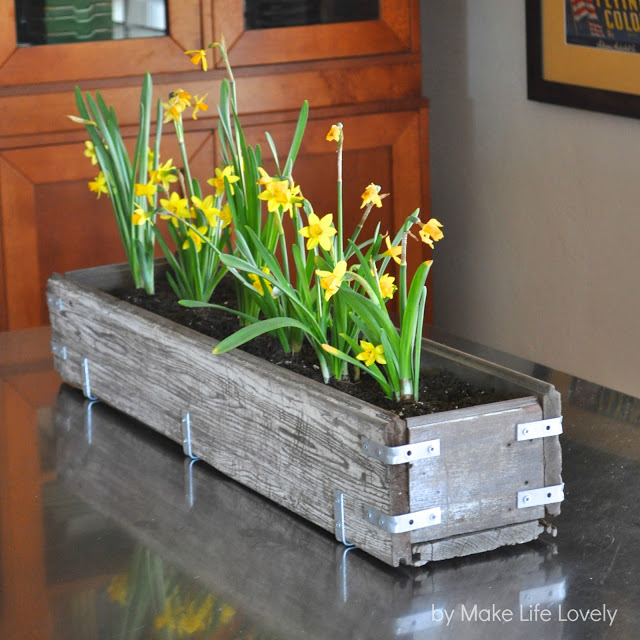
x: 585, y: 54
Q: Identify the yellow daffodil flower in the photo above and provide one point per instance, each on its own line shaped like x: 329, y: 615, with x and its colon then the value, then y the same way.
x: 257, y: 281
x: 277, y: 194
x: 99, y: 185
x: 371, y: 354
x: 265, y: 178
x: 371, y: 195
x: 334, y: 133
x: 198, y: 56
x: 210, y: 212
x: 225, y: 216
x: 319, y: 231
x: 165, y: 174
x: 387, y: 286
x: 330, y: 281
x: 184, y: 96
x: 197, y: 240
x: 90, y: 152
x: 393, y: 252
x: 199, y: 105
x: 218, y: 181
x: 148, y: 190
x: 150, y: 157
x: 173, y: 109
x: 139, y: 216
x: 177, y: 206
x: 430, y: 232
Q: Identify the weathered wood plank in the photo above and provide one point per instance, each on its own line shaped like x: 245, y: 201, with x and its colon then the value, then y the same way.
x: 480, y: 469
x: 468, y: 544
x: 295, y: 448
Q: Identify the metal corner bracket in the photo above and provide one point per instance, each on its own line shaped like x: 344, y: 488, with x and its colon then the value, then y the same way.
x: 539, y: 429
x: 403, y: 453
x: 540, y: 497
x: 404, y: 522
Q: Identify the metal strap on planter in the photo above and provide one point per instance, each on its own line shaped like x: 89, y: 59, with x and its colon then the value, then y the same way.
x: 86, y: 380
x: 403, y: 453
x: 406, y: 521
x: 59, y: 350
x: 338, y: 514
x: 539, y: 429
x: 186, y: 436
x: 540, y: 497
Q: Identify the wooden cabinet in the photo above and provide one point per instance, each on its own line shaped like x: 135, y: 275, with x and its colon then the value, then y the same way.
x: 365, y: 74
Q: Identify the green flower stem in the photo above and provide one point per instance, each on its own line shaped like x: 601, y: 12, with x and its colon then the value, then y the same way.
x: 402, y: 289
x: 340, y: 252
x: 185, y: 159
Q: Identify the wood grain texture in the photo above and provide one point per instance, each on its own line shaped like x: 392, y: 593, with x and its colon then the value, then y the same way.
x: 480, y: 469
x: 290, y: 439
x: 395, y: 31
x: 468, y: 544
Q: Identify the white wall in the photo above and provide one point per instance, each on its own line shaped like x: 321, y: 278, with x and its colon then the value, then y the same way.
x: 540, y: 203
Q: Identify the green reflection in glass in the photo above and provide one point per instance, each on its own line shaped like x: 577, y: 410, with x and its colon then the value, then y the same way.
x: 60, y: 21
x: 267, y: 14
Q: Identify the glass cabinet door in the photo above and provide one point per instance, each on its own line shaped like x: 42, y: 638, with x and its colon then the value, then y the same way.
x: 279, y: 31
x: 95, y: 38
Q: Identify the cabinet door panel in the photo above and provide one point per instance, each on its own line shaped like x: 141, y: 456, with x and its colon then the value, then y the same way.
x: 395, y: 31
x: 51, y: 222
x: 104, y: 59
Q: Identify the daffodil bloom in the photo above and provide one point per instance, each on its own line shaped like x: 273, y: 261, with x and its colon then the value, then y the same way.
x: 99, y: 185
x: 334, y: 133
x: 371, y: 195
x: 330, y: 281
x: 218, y: 181
x: 148, y: 190
x: 257, y: 281
x: 265, y: 178
x: 210, y: 212
x: 139, y: 216
x: 387, y: 286
x: 165, y: 174
x: 392, y: 252
x: 199, y: 105
x: 319, y: 231
x: 90, y: 152
x: 371, y: 354
x: 197, y: 240
x: 277, y: 194
x: 173, y: 109
x: 198, y: 56
x: 182, y: 95
x: 430, y: 232
x: 225, y: 216
x: 177, y: 206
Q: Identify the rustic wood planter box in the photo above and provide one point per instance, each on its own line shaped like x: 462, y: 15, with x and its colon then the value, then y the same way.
x: 480, y: 482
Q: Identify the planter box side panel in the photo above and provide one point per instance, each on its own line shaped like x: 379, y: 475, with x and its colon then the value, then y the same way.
x: 288, y: 438
x: 481, y: 467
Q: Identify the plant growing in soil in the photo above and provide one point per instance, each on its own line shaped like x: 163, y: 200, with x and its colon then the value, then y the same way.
x: 300, y: 277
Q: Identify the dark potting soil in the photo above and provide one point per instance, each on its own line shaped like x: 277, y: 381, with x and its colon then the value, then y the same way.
x: 439, y: 391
